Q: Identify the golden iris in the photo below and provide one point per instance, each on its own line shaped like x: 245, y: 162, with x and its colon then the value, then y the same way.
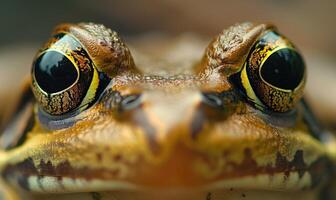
x: 274, y: 73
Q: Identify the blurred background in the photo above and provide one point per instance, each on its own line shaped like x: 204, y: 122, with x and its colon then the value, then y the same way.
x: 310, y: 24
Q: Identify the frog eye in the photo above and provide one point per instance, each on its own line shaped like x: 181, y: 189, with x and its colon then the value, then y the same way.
x: 274, y: 73
x: 64, y: 78
x: 54, y: 72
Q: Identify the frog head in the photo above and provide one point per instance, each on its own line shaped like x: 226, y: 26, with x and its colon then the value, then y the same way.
x: 101, y: 120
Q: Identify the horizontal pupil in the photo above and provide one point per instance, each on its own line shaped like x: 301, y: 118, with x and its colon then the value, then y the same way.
x: 284, y: 69
x: 54, y: 72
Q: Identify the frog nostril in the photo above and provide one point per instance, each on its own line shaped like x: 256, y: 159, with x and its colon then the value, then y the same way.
x: 113, y: 100
x: 130, y: 102
x: 212, y: 100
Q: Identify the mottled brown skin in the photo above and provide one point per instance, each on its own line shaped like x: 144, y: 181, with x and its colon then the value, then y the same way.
x: 228, y: 51
x: 107, y: 50
x: 172, y: 141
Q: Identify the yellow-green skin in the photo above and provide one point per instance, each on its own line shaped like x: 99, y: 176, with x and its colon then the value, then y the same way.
x: 171, y: 146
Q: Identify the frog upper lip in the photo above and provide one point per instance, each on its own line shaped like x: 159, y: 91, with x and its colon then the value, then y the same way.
x: 246, y: 151
x: 188, y: 168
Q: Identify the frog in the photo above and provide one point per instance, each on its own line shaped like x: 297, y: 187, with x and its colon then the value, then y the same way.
x: 100, y: 120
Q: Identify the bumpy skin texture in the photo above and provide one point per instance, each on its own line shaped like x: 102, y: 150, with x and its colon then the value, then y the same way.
x: 164, y: 127
x: 106, y: 49
x: 228, y: 51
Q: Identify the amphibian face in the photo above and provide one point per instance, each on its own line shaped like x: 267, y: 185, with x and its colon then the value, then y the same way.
x: 97, y: 124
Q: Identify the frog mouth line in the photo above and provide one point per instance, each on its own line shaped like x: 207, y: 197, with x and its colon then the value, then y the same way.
x: 275, y: 182
x: 64, y: 178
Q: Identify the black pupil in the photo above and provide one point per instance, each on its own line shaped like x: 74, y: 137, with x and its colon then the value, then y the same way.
x: 283, y: 69
x: 54, y: 72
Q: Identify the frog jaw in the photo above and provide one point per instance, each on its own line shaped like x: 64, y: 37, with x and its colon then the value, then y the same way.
x: 242, y: 153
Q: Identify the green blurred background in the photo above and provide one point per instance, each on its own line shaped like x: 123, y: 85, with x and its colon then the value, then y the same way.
x: 310, y: 24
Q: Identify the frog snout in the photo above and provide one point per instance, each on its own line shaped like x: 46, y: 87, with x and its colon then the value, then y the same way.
x: 159, y: 113
x: 166, y: 112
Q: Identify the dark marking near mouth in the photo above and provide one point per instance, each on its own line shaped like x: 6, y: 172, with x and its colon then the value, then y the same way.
x: 20, y: 172
x: 297, y: 163
x: 64, y: 168
x: 320, y: 170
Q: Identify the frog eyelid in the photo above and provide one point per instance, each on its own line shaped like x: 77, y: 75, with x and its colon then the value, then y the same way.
x: 51, y: 122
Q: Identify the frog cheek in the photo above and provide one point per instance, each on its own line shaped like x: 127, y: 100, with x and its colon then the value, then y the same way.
x: 63, y: 77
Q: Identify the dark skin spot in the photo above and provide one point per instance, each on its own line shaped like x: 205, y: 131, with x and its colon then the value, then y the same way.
x: 103, y: 43
x: 99, y: 157
x: 46, y: 167
x: 297, y: 163
x: 243, y: 195
x: 96, y: 196
x: 117, y: 157
x: 209, y: 195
